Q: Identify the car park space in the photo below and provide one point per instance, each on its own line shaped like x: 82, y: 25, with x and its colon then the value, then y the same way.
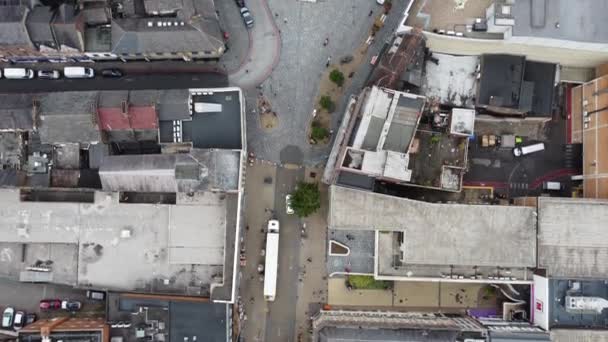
x: 28, y: 302
x: 58, y: 73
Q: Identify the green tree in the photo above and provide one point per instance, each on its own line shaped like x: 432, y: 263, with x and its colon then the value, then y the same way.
x: 319, y: 133
x: 306, y: 199
x: 337, y: 77
x: 326, y: 103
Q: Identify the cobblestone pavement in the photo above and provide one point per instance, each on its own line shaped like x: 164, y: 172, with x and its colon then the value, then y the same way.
x: 292, y: 86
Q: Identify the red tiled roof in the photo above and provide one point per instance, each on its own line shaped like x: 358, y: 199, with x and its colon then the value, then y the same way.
x: 142, y: 117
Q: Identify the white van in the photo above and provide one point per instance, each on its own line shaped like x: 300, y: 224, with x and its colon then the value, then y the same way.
x: 522, y: 151
x: 552, y: 186
x: 18, y: 73
x: 78, y: 72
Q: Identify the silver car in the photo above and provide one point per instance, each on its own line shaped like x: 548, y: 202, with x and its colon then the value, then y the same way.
x: 48, y: 74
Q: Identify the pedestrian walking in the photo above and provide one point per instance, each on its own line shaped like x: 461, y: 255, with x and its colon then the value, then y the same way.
x: 328, y: 62
x: 326, y: 42
x: 370, y: 13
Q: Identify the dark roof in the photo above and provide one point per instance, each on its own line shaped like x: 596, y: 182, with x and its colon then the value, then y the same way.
x: 69, y: 27
x: 144, y: 35
x: 97, y: 15
x: 68, y: 117
x: 501, y: 80
x: 207, y: 321
x: 16, y: 112
x: 98, y: 39
x: 216, y: 129
x: 512, y: 82
x: 542, y: 76
x: 12, y: 26
x: 38, y: 25
x: 559, y: 316
x: 173, y: 104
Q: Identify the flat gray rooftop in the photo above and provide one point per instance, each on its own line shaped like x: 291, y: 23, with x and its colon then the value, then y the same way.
x: 572, y: 237
x: 199, y: 170
x: 580, y: 20
x: 441, y: 234
x: 177, y: 248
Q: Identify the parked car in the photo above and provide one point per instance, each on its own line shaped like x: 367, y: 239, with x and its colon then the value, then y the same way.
x: 111, y: 73
x: 50, y: 304
x: 18, y: 73
x: 30, y: 318
x: 19, y: 320
x: 48, y: 74
x: 96, y: 295
x: 247, y: 17
x: 288, y: 207
x: 7, y: 318
x: 78, y: 72
x: 71, y: 305
x: 240, y: 3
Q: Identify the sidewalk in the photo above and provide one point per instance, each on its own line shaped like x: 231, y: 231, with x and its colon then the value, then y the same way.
x: 264, y: 48
x: 312, y: 286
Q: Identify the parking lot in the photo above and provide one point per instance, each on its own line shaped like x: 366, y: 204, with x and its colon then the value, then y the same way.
x: 27, y: 296
x: 512, y: 176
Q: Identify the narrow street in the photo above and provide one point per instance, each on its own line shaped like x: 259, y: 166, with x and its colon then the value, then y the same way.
x: 280, y: 323
x: 266, y: 187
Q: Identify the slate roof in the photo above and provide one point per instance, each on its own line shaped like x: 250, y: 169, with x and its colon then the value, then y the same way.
x: 38, y: 25
x: 16, y: 112
x: 12, y: 26
x: 69, y: 28
x: 67, y: 117
x: 144, y: 35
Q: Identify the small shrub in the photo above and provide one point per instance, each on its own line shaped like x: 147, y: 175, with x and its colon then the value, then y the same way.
x: 319, y: 133
x: 367, y: 283
x: 337, y: 77
x: 327, y: 103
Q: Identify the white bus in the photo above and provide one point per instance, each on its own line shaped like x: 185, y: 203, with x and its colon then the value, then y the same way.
x: 272, y: 260
x: 522, y: 151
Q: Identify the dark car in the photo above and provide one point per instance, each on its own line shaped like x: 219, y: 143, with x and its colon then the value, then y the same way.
x: 247, y: 17
x: 30, y: 318
x: 96, y: 295
x: 71, y: 305
x: 50, y: 304
x: 240, y: 3
x: 111, y: 73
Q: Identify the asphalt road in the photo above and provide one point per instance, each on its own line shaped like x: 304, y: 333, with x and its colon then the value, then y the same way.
x: 281, y: 319
x: 128, y: 81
